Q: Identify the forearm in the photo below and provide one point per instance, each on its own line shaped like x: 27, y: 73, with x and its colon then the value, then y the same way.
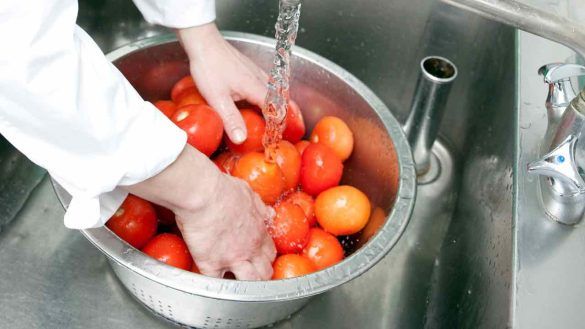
x: 185, y: 185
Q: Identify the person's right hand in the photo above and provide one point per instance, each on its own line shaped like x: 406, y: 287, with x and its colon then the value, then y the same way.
x: 229, y: 232
x: 222, y: 220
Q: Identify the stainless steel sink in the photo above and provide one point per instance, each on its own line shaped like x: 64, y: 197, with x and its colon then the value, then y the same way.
x: 451, y: 268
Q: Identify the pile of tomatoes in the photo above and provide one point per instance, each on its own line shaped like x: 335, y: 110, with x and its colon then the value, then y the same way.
x: 301, y: 183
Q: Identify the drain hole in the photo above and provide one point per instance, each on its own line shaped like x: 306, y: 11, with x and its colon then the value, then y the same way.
x: 439, y: 68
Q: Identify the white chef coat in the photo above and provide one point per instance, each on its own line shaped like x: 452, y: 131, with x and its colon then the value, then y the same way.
x: 72, y: 112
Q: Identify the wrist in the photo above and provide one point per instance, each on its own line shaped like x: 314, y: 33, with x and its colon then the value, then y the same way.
x: 197, y: 38
x: 184, y: 186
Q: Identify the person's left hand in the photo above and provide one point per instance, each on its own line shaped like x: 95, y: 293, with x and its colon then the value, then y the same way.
x: 223, y: 75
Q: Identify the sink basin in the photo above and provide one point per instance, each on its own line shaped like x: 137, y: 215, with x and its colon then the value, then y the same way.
x: 452, y: 268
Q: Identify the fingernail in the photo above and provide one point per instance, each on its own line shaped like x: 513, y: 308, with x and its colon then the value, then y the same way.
x: 238, y: 135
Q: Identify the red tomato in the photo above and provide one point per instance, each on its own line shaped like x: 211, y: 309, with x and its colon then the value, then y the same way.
x: 165, y: 216
x: 203, y: 126
x: 321, y: 169
x: 323, y: 249
x: 342, y: 210
x: 226, y: 161
x: 289, y: 228
x: 306, y: 203
x: 255, y: 126
x: 264, y: 178
x: 170, y: 249
x: 301, y: 146
x: 166, y: 107
x: 334, y: 133
x: 182, y: 85
x: 190, y: 96
x: 134, y: 222
x: 288, y: 159
x: 290, y: 266
x: 295, y: 126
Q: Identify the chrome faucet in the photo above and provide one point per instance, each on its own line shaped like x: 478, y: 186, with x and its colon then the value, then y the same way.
x: 561, y: 182
x: 560, y: 94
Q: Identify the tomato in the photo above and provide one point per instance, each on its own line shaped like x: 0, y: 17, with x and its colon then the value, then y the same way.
x: 323, y: 249
x: 290, y: 266
x: 306, y: 203
x: 134, y: 222
x: 182, y: 85
x: 377, y: 219
x: 166, y: 107
x: 264, y: 178
x: 321, y: 169
x: 164, y: 215
x: 335, y: 133
x: 170, y: 249
x: 295, y: 126
x: 288, y: 159
x: 301, y: 146
x: 255, y: 127
x: 226, y: 161
x: 190, y: 96
x: 342, y: 210
x: 203, y: 126
x: 289, y: 228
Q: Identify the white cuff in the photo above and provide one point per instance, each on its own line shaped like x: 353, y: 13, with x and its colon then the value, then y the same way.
x: 177, y: 13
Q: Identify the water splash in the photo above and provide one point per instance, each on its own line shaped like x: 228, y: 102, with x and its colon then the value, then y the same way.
x: 275, y: 104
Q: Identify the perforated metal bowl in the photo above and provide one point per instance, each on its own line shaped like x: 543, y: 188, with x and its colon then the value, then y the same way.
x: 381, y: 166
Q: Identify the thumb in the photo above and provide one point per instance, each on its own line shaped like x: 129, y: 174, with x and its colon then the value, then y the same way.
x: 233, y: 122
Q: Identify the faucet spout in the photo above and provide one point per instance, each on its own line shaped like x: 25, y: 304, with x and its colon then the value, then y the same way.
x: 529, y: 19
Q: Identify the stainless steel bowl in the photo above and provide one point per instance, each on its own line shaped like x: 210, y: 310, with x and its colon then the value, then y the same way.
x: 381, y: 166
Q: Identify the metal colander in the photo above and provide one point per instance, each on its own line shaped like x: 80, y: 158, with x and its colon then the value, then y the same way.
x: 381, y: 166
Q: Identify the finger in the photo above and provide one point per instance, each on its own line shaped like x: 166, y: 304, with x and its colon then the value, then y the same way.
x: 255, y: 93
x: 233, y: 122
x: 268, y: 249
x: 212, y: 272
x: 244, y: 270
x: 263, y: 267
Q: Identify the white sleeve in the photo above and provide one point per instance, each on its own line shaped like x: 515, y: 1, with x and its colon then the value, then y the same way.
x: 177, y: 13
x: 72, y: 112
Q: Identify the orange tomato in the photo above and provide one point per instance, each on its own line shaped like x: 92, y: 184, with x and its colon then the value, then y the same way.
x: 306, y: 203
x: 190, y: 96
x: 166, y: 107
x: 334, y: 133
x: 290, y: 266
x: 264, y: 178
x: 255, y: 127
x: 295, y: 126
x: 180, y: 86
x: 377, y: 219
x: 323, y: 249
x: 203, y: 126
x: 301, y: 146
x: 289, y: 228
x: 288, y: 159
x: 226, y: 161
x: 342, y: 210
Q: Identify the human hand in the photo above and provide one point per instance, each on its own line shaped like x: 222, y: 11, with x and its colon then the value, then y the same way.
x: 221, y: 219
x: 229, y: 233
x: 223, y: 75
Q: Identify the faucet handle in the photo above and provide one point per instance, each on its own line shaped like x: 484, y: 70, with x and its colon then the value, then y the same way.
x: 560, y: 164
x: 556, y: 72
